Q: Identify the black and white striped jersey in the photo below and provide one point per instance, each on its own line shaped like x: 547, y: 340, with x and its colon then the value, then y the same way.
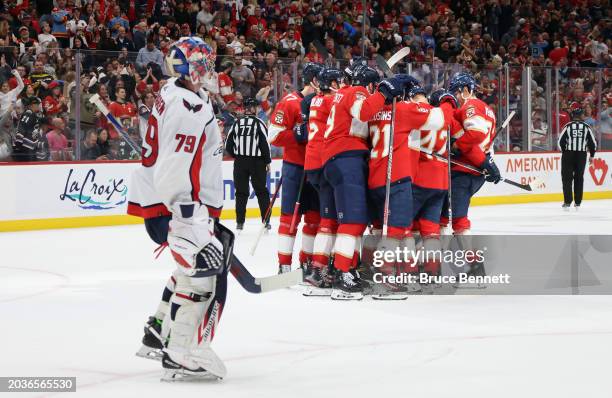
x: 577, y: 136
x: 248, y: 136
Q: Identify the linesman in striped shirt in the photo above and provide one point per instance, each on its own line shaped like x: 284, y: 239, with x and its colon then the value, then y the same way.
x: 247, y: 143
x: 575, y: 140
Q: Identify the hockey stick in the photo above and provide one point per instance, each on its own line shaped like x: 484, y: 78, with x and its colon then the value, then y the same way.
x: 97, y: 102
x: 506, y: 122
x: 296, y: 208
x: 533, y: 185
x: 267, y: 216
x: 386, y: 66
x: 265, y: 284
x: 385, y: 227
x: 450, y: 185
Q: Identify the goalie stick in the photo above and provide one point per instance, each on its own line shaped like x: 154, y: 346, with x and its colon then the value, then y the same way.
x: 264, y: 284
x: 97, y: 102
x: 250, y: 283
x: 533, y: 185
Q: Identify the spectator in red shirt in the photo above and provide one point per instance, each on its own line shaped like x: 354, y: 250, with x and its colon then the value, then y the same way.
x: 557, y: 53
x: 55, y: 103
x: 226, y: 86
x: 123, y: 110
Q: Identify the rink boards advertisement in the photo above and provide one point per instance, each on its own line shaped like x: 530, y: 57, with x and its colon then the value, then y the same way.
x: 87, y: 194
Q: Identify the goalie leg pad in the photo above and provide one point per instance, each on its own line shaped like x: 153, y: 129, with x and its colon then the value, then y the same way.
x: 196, y: 309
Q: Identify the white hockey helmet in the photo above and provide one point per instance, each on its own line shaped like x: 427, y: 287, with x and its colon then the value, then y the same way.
x: 192, y: 59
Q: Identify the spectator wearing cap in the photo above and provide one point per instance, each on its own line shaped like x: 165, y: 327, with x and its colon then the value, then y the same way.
x: 55, y: 103
x: 149, y: 54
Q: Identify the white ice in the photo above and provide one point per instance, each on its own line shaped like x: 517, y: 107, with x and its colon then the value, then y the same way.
x: 72, y: 303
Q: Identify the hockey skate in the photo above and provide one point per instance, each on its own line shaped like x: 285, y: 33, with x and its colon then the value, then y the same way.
x: 284, y: 269
x: 566, y: 207
x: 319, y: 282
x: 203, y: 364
x: 152, y: 342
x: 347, y: 286
x: 390, y: 290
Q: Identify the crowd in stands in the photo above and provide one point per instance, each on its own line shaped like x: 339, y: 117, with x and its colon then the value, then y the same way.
x: 119, y: 47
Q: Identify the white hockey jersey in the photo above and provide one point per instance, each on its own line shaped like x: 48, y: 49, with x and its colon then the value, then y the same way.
x: 181, y: 157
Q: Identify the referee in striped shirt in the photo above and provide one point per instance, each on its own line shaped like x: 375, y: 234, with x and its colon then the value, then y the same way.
x: 575, y: 140
x: 247, y: 143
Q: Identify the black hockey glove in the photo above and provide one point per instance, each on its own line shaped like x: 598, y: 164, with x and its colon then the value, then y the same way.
x: 441, y: 96
x: 491, y: 171
x: 305, y: 107
x: 301, y: 133
x: 390, y: 88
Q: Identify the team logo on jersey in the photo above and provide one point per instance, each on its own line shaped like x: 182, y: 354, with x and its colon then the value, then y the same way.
x: 360, y: 96
x: 469, y: 112
x: 598, y: 170
x: 279, y: 117
x: 192, y: 108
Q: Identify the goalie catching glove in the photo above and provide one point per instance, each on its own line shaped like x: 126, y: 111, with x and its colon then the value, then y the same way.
x: 192, y: 241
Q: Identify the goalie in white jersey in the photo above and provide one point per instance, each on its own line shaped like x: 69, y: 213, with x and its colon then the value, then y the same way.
x: 179, y: 192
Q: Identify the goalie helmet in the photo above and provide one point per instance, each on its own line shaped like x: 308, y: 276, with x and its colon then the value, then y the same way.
x: 192, y: 59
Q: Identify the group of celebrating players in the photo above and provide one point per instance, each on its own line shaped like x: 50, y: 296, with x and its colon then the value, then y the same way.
x: 335, y: 133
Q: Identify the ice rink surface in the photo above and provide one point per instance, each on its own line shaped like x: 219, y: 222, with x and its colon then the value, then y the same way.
x: 73, y: 302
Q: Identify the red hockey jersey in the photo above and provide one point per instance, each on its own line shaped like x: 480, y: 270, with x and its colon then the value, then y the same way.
x: 478, y: 121
x: 317, y: 123
x: 409, y: 117
x: 284, y: 118
x: 432, y: 172
x: 347, y: 124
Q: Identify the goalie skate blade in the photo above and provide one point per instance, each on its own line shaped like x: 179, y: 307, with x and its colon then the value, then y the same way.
x: 154, y: 354
x: 390, y: 297
x: 344, y: 296
x: 183, y: 375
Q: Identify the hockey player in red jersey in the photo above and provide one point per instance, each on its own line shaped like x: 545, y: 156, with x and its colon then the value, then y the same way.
x: 344, y: 158
x: 286, y: 131
x: 316, y: 110
x: 430, y: 186
x: 179, y: 192
x: 473, y: 147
